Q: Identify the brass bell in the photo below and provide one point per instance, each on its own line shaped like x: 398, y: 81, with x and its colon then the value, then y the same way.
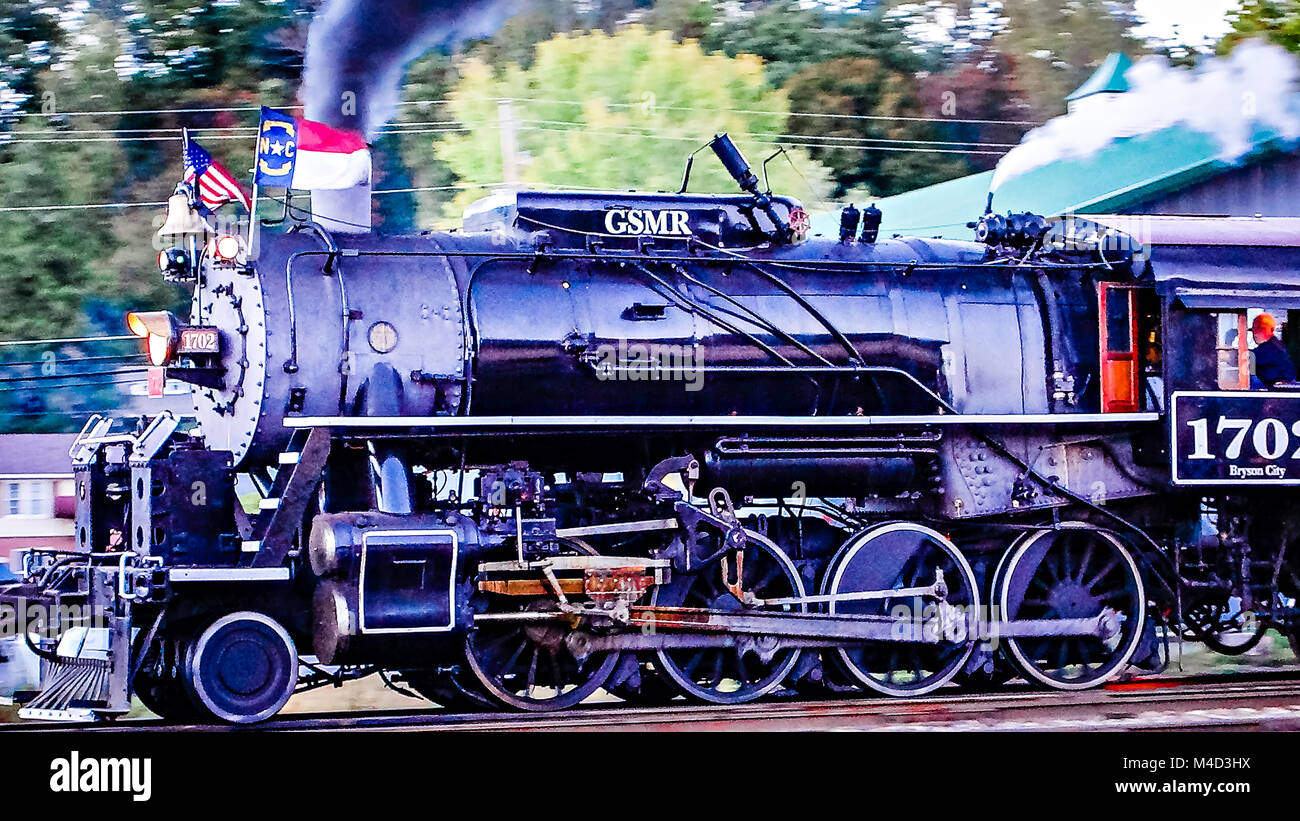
x: 182, y: 219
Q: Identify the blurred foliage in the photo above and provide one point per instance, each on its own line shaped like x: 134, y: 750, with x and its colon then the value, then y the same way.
x: 684, y: 19
x: 977, y: 85
x: 426, y: 118
x: 1278, y: 20
x: 852, y: 87
x: 621, y: 111
x: 235, y: 45
x: 51, y: 257
x: 29, y: 35
x: 1054, y: 45
x: 790, y: 37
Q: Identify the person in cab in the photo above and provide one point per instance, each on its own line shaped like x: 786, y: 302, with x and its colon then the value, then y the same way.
x: 1272, y: 362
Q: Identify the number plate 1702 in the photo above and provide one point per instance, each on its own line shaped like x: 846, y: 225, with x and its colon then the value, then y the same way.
x: 1235, y: 438
x: 199, y: 341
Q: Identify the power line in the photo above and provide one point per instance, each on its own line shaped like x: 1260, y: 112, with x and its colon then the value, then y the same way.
x: 791, y: 143
x: 108, y: 383
x: 453, y: 187
x: 81, y: 206
x: 46, y: 389
x: 38, y: 363
x: 126, y: 111
x: 548, y: 101
x: 73, y: 375
x: 818, y: 137
x: 810, y: 114
x: 51, y: 136
x: 175, y: 138
x: 65, y: 340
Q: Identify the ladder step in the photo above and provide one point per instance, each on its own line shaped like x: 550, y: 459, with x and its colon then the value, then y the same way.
x: 289, y: 457
x: 249, y: 546
x: 268, y: 504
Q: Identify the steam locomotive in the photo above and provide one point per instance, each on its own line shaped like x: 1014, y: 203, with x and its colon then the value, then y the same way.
x: 668, y: 445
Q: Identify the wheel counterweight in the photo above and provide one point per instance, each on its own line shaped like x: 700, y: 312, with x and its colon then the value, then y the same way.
x: 753, y: 666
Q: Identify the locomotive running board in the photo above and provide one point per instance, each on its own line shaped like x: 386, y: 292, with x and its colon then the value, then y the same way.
x: 462, y: 422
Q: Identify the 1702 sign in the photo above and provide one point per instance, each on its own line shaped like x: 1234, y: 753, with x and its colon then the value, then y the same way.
x: 1234, y: 438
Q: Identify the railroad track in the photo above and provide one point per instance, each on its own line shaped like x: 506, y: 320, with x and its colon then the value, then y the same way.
x: 1237, y: 701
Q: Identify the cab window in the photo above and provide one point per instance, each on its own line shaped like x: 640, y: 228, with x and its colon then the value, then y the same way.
x: 1117, y: 305
x: 1232, y: 351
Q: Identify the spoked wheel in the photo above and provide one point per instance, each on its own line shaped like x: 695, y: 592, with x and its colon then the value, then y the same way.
x: 528, y: 665
x: 754, y: 666
x: 1224, y: 631
x: 1071, y: 573
x: 894, y: 556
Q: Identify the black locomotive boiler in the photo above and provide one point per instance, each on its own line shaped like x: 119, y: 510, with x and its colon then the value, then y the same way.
x: 668, y: 445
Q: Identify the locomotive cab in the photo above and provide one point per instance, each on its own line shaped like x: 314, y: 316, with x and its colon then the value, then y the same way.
x: 1213, y: 276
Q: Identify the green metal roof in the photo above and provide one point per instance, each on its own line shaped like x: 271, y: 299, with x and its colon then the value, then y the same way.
x: 1119, y: 177
x: 1109, y: 77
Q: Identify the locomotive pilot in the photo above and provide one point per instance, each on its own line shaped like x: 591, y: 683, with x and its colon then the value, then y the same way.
x: 1272, y: 362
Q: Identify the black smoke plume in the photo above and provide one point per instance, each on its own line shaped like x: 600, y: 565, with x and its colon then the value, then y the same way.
x: 357, y: 51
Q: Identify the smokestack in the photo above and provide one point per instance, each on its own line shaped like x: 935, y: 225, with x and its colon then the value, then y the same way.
x: 357, y: 52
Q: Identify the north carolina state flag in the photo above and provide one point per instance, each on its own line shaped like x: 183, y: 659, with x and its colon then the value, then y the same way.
x: 297, y: 153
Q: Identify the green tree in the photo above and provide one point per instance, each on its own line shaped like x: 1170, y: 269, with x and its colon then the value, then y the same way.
x: 847, y: 89
x: 232, y: 45
x: 1055, y: 45
x: 791, y: 36
x: 54, y: 260
x: 976, y: 93
x: 850, y: 78
x: 30, y: 35
x: 51, y: 259
x: 620, y: 111
x: 686, y: 19
x: 423, y: 117
x: 516, y: 41
x: 1278, y: 20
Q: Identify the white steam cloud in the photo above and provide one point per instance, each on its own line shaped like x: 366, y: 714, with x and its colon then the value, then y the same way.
x: 1231, y: 98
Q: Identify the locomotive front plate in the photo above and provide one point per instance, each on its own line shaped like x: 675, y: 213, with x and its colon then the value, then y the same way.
x: 1235, y: 438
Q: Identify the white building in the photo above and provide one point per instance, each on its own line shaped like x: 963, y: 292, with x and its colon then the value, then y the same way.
x: 37, y: 500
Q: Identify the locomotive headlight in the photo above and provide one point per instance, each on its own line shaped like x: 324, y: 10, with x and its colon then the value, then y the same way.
x: 160, y: 349
x: 226, y: 248
x: 135, y: 324
x: 159, y: 329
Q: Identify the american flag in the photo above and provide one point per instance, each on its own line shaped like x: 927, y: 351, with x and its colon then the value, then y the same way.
x: 216, y: 186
